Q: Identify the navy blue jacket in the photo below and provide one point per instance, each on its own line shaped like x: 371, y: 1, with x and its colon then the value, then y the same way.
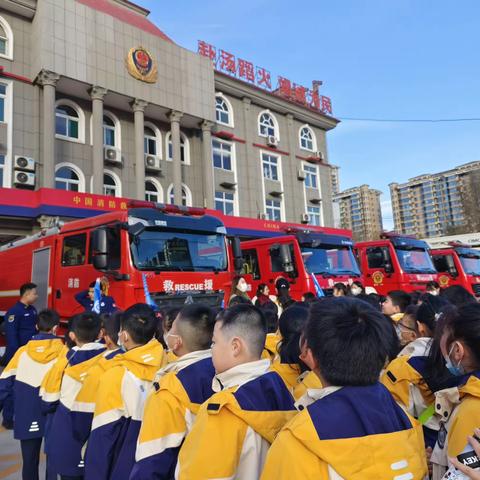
x: 20, y: 327
x: 107, y: 304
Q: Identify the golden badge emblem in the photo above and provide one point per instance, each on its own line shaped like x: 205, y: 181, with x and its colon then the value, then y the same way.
x: 141, y: 65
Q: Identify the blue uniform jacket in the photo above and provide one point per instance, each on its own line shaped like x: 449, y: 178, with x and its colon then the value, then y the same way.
x: 107, y: 304
x: 20, y: 327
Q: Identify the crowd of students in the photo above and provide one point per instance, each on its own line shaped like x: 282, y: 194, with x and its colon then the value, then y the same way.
x: 347, y: 387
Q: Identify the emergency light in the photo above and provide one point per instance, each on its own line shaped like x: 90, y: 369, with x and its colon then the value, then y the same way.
x: 167, y: 208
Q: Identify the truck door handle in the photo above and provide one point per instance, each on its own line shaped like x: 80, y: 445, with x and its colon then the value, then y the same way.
x: 58, y: 294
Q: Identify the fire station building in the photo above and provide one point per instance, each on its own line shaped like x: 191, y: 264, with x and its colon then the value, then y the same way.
x: 95, y: 98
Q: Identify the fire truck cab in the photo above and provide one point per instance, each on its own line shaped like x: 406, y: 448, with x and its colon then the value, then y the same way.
x: 182, y: 253
x: 297, y: 257
x: 396, y: 262
x: 459, y: 264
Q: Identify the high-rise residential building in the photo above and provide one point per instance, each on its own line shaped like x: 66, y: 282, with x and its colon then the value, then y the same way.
x: 438, y: 204
x: 360, y: 212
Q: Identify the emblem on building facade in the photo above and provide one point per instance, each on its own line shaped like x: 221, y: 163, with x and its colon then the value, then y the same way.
x: 141, y: 65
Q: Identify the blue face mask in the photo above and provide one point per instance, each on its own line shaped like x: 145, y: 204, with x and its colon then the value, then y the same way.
x: 456, y: 370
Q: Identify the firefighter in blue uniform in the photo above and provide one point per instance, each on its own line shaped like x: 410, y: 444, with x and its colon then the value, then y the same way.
x: 20, y: 327
x: 85, y: 298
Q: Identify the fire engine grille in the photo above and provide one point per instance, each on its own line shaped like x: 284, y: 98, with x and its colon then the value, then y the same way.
x: 476, y: 289
x: 180, y: 299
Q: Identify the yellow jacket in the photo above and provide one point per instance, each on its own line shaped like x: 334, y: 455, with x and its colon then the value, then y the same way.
x: 354, y: 433
x: 235, y: 427
x: 307, y: 381
x: 289, y: 372
x: 271, y: 345
x: 460, y: 409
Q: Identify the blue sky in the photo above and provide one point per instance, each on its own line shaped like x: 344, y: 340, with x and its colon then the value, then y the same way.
x: 377, y: 59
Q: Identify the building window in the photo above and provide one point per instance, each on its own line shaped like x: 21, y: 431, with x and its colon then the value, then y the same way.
x: 109, y: 134
x: 222, y: 154
x: 224, y: 202
x: 307, y: 139
x: 270, y: 166
x: 314, y: 216
x: 273, y: 210
x: 311, y: 176
x: 223, y: 111
x: 3, y: 97
x: 69, y: 121
x: 267, y: 125
x: 68, y: 177
x: 186, y: 195
x: 2, y: 167
x: 153, y: 191
x: 150, y: 141
x: 6, y: 40
x: 111, y: 185
x: 184, y: 149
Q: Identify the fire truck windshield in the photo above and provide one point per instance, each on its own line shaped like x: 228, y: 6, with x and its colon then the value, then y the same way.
x: 154, y: 249
x: 330, y: 260
x: 415, y: 260
x: 471, y: 263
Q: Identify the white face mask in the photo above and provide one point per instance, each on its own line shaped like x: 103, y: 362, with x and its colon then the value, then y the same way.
x: 434, y: 293
x: 242, y: 287
x: 356, y: 291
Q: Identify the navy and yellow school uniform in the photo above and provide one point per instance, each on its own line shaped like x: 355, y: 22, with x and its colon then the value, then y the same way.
x: 83, y: 406
x: 289, y: 372
x: 64, y: 449
x: 272, y: 342
x: 353, y: 433
x: 235, y: 427
x: 169, y: 414
x: 119, y: 406
x: 459, y: 408
x: 307, y: 383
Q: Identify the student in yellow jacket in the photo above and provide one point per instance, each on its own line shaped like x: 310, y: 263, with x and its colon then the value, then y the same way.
x: 235, y: 427
x: 395, y: 304
x: 23, y: 375
x: 121, y: 397
x: 354, y: 429
x: 182, y: 387
x: 84, y: 405
x: 459, y: 407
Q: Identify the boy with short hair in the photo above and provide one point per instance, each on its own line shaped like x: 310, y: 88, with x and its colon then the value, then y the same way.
x: 182, y: 387
x: 23, y: 375
x: 64, y: 450
x: 395, y: 304
x: 353, y: 429
x: 121, y: 395
x: 84, y: 404
x: 235, y: 427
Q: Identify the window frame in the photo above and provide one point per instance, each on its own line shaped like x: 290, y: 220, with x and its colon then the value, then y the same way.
x: 9, y: 39
x: 188, y: 194
x: 318, y: 214
x: 229, y: 110
x: 117, y: 130
x: 309, y: 175
x: 276, y: 130
x: 273, y: 208
x: 118, y: 184
x: 214, y: 149
x: 225, y: 201
x: 85, y: 256
x: 269, y: 164
x: 78, y: 172
x: 159, y: 187
x: 81, y: 120
x: 313, y: 139
x: 186, y: 148
x: 157, y: 138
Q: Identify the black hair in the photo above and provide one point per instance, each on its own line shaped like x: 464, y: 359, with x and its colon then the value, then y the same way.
x: 249, y: 323
x: 111, y: 325
x: 416, y: 296
x: 92, y: 284
x: 463, y: 323
x: 349, y: 339
x: 271, y: 318
x: 200, y: 319
x: 341, y: 286
x: 261, y: 288
x: 140, y: 322
x: 291, y: 324
x: 86, y: 326
x: 47, y: 319
x: 400, y: 299
x: 373, y: 299
x: 432, y: 284
x: 458, y: 295
x: 26, y: 287
x: 359, y: 285
x: 429, y: 310
x: 239, y: 300
x: 309, y: 297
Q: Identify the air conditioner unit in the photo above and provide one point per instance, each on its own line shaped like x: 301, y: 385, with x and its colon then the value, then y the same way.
x: 112, y: 155
x: 272, y: 141
x: 320, y: 155
x: 24, y: 163
x: 262, y: 216
x: 301, y: 175
x: 305, y: 218
x: 152, y: 162
x: 23, y: 179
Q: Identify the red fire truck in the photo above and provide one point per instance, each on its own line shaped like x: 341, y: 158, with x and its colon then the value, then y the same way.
x: 458, y: 264
x: 298, y: 253
x: 182, y: 252
x: 396, y: 262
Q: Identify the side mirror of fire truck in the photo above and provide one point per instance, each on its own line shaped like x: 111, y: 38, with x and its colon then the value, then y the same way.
x: 286, y: 258
x: 99, y: 247
x: 237, y: 254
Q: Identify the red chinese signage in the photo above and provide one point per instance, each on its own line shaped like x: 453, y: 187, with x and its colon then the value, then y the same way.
x: 226, y: 62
